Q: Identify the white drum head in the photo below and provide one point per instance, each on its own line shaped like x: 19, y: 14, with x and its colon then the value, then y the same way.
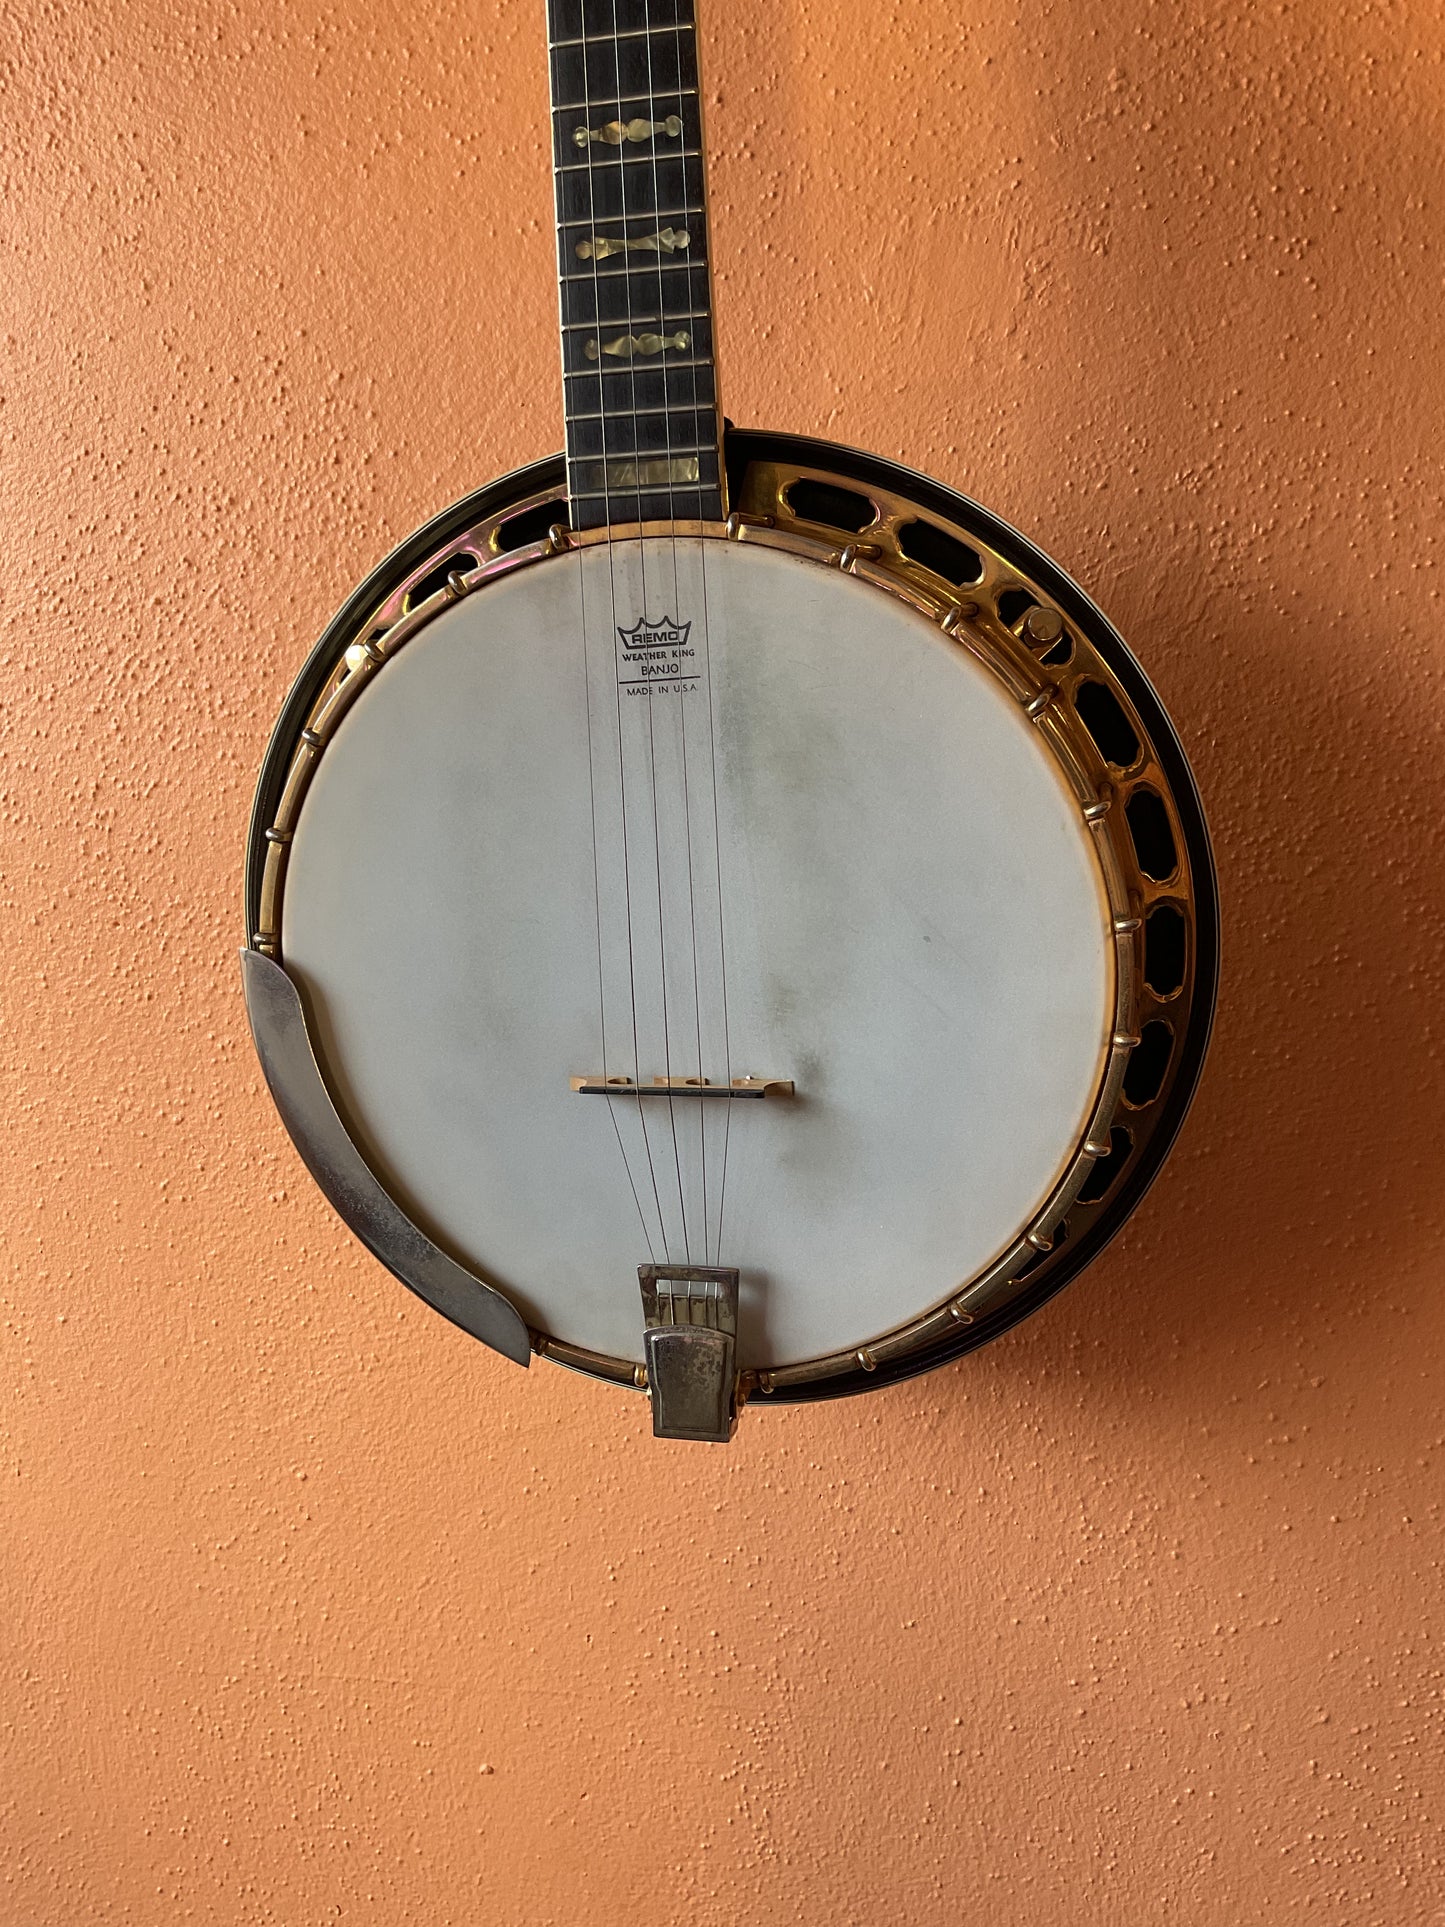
x: 849, y: 860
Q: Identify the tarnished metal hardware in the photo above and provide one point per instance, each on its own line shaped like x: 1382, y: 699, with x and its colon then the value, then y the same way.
x: 737, y: 525
x: 683, y: 1087
x: 960, y: 612
x: 690, y: 1343
x: 1043, y: 627
x: 278, y: 1023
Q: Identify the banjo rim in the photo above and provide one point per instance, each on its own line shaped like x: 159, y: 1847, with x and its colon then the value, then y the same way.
x: 757, y: 453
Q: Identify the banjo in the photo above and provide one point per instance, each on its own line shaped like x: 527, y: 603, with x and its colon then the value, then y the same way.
x: 724, y: 913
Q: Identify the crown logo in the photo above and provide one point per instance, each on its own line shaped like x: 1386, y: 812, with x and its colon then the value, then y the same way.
x: 655, y: 635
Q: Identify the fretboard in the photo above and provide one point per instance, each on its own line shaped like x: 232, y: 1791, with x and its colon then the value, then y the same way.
x: 639, y: 389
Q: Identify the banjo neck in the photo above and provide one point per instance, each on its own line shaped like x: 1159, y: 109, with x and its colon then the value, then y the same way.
x: 644, y: 436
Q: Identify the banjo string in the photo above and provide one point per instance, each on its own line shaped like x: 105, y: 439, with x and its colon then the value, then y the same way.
x: 592, y: 805
x: 692, y: 926
x: 642, y: 558
x: 682, y: 712
x: 621, y: 760
x: 721, y: 924
x: 662, y: 325
x: 597, y: 899
x: 712, y: 767
x: 662, y: 971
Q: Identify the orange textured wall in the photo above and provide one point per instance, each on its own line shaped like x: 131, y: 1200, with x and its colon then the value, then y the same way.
x: 313, y: 1610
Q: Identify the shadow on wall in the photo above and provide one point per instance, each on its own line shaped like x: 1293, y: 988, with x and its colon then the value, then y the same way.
x: 1312, y: 1166
x: 1245, y: 399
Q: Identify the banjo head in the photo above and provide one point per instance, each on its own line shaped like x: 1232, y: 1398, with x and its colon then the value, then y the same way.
x: 823, y: 896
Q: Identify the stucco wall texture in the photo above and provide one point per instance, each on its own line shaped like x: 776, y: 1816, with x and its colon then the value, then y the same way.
x: 314, y: 1610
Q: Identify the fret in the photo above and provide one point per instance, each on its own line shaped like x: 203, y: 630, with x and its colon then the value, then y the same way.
x: 619, y: 500
x: 666, y: 292
x: 642, y: 464
x: 691, y: 215
x: 627, y: 33
x: 626, y: 371
x: 614, y: 109
x: 641, y: 159
x: 642, y: 234
x: 643, y: 393
x: 626, y: 391
x: 604, y: 196
x: 634, y: 423
x: 659, y: 501
x: 572, y: 19
x: 644, y: 320
x: 621, y: 507
x: 642, y: 390
x: 584, y: 274
x: 641, y: 69
x: 654, y: 432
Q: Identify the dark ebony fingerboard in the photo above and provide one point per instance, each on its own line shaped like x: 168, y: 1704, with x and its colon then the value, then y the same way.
x: 639, y: 391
